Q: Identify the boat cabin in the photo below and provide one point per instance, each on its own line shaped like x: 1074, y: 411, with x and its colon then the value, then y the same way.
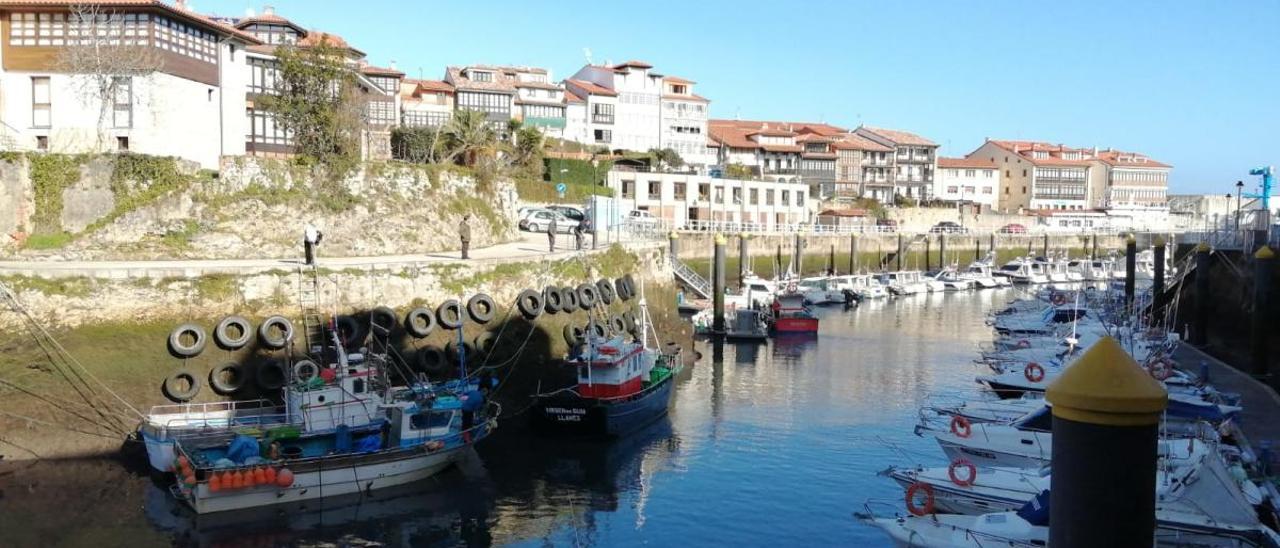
x: 902, y: 277
x: 327, y: 400
x: 613, y: 369
x: 979, y: 269
x: 415, y: 423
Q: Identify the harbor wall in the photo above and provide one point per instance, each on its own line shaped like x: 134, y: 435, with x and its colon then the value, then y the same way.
x: 698, y: 245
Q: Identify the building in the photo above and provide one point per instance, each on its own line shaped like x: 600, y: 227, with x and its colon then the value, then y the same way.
x: 681, y: 198
x: 913, y: 163
x: 426, y: 103
x: 599, y: 109
x: 1127, y: 180
x: 779, y: 151
x: 1037, y: 175
x: 863, y: 167
x: 174, y: 79
x: 971, y: 180
x: 1202, y: 211
x: 497, y: 91
x: 684, y: 121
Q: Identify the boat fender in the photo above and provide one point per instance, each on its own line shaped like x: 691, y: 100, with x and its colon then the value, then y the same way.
x: 222, y: 333
x: 449, y: 314
x: 271, y: 375
x: 620, y: 287
x: 227, y: 378
x: 468, y: 350
x: 631, y: 285
x: 173, y: 385
x: 1034, y: 372
x: 305, y: 370
x: 481, y: 308
x: 187, y: 349
x: 215, y: 483
x: 420, y: 322
x: 267, y: 332
x: 1160, y: 369
x: 569, y: 297
x: 573, y: 335
x: 630, y: 318
x: 588, y: 296
x: 430, y: 359
x: 1024, y: 344
x: 284, y: 478
x: 484, y: 342
x: 382, y: 320
x: 968, y: 478
x: 597, y: 329
x: 530, y: 304
x: 1059, y: 299
x: 618, y: 324
x: 554, y: 301
x: 927, y: 507
x: 606, y: 291
x: 270, y: 474
x: 960, y: 426
x: 350, y: 331
x: 434, y: 445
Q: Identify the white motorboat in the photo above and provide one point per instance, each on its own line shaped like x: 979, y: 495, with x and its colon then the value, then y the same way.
x: 980, y: 274
x: 755, y: 293
x: 820, y: 291
x: 1023, y: 271
x: 1056, y: 271
x: 997, y: 411
x: 1025, y: 528
x: 952, y: 280
x: 904, y: 282
x: 864, y: 286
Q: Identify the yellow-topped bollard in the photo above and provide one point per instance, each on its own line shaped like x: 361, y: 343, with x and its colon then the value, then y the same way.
x: 717, y: 286
x: 1263, y: 268
x: 674, y: 239
x: 1200, y: 295
x: 1106, y: 417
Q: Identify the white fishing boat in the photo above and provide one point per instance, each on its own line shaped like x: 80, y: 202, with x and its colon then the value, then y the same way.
x: 1056, y: 271
x: 755, y: 293
x: 979, y: 273
x: 904, y: 282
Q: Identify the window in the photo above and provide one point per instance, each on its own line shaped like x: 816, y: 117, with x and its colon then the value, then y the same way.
x: 603, y: 136
x: 431, y: 419
x: 543, y: 111
x: 737, y: 195
x: 1024, y: 190
x: 754, y: 197
x: 786, y: 197
x: 387, y: 84
x: 970, y: 173
x: 679, y: 189
x: 768, y: 197
x: 423, y: 118
x: 952, y: 189
x: 263, y: 75
x: 381, y: 112
x: 986, y: 190
x: 628, y: 189
x: 720, y: 194
x: 1024, y: 173
x: 357, y: 386
x: 1007, y: 174
x: 264, y: 130
x: 800, y: 198
x: 655, y: 190
x: 122, y: 108
x: 602, y: 113
x: 41, y: 102
x: 42, y: 142
x: 122, y: 143
x: 480, y: 76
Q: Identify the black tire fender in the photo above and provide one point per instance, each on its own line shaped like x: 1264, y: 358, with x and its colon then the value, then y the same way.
x: 420, y: 322
x: 569, y: 297
x: 351, y: 332
x: 481, y: 308
x: 484, y: 342
x: 271, y: 375
x: 430, y: 359
x: 269, y: 338
x: 222, y: 334
x: 631, y: 285
x: 305, y: 370
x: 225, y: 387
x: 597, y: 329
x: 606, y: 291
x: 173, y: 389
x: 588, y: 296
x: 617, y: 324
x: 573, y: 335
x: 630, y: 318
x: 553, y: 299
x: 449, y: 314
x: 469, y: 352
x: 382, y: 320
x: 530, y: 304
x: 620, y: 287
x: 183, y: 348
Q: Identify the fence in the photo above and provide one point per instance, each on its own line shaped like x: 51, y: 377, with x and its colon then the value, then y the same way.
x: 661, y: 227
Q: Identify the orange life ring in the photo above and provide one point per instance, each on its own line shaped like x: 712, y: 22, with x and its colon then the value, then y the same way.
x: 968, y: 479
x: 1024, y: 343
x: 1160, y: 369
x: 1059, y: 299
x: 928, y: 499
x: 1034, y: 372
x: 960, y: 426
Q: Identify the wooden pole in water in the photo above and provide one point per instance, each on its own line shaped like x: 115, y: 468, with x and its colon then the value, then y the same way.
x: 743, y: 258
x: 853, y: 253
x: 1130, y: 268
x: 1106, y: 416
x: 1045, y: 250
x: 898, y: 256
x: 1263, y: 263
x: 1157, y: 282
x: 1200, y: 320
x: 798, y: 260
x: 1095, y: 247
x: 717, y: 285
x: 928, y: 252
x: 977, y: 249
x: 831, y: 261
x: 942, y: 251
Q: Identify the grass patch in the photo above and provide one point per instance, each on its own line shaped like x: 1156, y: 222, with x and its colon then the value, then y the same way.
x: 531, y: 190
x: 66, y: 287
x: 55, y: 240
x: 217, y: 287
x: 180, y: 238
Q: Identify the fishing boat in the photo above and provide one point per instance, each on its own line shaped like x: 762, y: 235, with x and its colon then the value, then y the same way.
x: 979, y: 272
x: 789, y: 314
x: 952, y: 280
x: 755, y: 293
x: 621, y: 386
x: 419, y: 430
x: 904, y: 282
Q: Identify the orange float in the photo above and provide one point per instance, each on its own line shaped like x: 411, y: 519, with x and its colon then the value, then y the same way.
x: 284, y: 478
x: 1034, y: 372
x: 968, y: 478
x: 259, y: 476
x: 270, y: 475
x: 215, y: 483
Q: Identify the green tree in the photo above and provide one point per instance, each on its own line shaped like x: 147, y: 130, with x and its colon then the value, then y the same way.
x: 469, y: 136
x: 528, y: 146
x: 318, y: 102
x: 738, y: 171
x: 670, y: 158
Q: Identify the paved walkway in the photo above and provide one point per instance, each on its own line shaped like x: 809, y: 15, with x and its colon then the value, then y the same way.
x: 531, y: 247
x: 1258, y: 420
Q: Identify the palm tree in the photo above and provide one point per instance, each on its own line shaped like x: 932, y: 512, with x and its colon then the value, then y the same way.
x: 513, y: 127
x: 527, y: 144
x: 469, y: 133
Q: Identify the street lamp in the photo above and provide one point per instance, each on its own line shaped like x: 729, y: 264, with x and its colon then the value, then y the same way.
x: 1239, y: 188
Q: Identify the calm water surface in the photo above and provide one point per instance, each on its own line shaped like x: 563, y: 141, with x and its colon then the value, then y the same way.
x: 766, y: 445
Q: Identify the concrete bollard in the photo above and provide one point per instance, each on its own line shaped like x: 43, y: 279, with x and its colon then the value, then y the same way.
x: 674, y: 241
x: 744, y: 258
x: 1157, y: 281
x: 1130, y: 270
x: 928, y: 252
x: 1200, y: 320
x: 853, y: 253
x: 1263, y: 262
x: 1106, y: 417
x: 717, y: 286
x: 898, y: 256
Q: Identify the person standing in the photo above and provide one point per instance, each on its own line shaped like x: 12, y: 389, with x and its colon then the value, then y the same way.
x: 551, y: 233
x: 577, y: 235
x: 464, y: 234
x: 311, y: 237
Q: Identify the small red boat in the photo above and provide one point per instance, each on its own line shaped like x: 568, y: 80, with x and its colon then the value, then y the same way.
x: 790, y: 315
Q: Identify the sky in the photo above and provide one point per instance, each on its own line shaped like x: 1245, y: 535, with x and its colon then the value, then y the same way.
x: 1190, y: 83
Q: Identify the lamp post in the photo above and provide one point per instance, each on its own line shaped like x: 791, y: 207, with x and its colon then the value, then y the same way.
x: 1239, y: 189
x: 1225, y: 217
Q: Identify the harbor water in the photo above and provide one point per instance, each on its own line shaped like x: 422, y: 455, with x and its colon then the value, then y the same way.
x: 773, y: 444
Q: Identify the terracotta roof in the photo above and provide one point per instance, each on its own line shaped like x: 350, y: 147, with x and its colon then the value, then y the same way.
x: 899, y: 137
x: 677, y: 80
x: 269, y: 18
x: 633, y: 63
x: 813, y: 138
x: 852, y: 212
x: 591, y: 88
x: 711, y: 143
x: 1117, y: 158
x: 850, y: 141
x: 380, y: 71
x: 1026, y: 149
x: 798, y: 127
x: 501, y: 83
x: 966, y: 163
x: 570, y: 97
x: 536, y: 85
x: 315, y: 38
x: 690, y: 97
x: 773, y: 132
x: 781, y: 148
x: 169, y: 9
x: 434, y: 86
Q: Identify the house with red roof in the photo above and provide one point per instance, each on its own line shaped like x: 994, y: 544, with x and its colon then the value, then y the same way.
x: 505, y: 92
x: 968, y: 180
x: 912, y: 164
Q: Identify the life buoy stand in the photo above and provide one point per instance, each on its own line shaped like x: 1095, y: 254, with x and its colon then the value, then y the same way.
x: 927, y: 507
x: 960, y: 426
x: 965, y: 480
x: 1034, y: 372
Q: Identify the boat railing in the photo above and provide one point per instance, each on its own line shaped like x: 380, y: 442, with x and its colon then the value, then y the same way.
x: 180, y: 423
x: 209, y: 407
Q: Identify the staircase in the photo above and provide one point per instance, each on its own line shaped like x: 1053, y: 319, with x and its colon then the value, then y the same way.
x: 691, y: 278
x: 309, y: 300
x: 906, y: 248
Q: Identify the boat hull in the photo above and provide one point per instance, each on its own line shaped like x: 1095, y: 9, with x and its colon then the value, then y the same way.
x: 569, y: 414
x: 795, y: 325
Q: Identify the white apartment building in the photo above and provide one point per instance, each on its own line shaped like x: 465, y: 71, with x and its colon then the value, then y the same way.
x: 185, y: 97
x: 425, y: 103
x: 599, y: 108
x: 684, y: 121
x: 973, y: 180
x: 577, y: 126
x: 638, y: 91
x: 914, y: 161
x: 681, y: 198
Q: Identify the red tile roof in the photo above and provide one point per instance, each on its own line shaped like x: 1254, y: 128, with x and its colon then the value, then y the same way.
x: 899, y: 137
x: 773, y: 132
x: 813, y: 138
x: 1117, y: 158
x: 798, y: 127
x: 851, y: 141
x: 591, y: 88
x: 380, y: 71
x: 571, y: 97
x: 315, y: 38
x: 677, y: 80
x: 169, y: 9
x: 690, y: 97
x: 633, y: 63
x: 1026, y: 150
x: 269, y: 18
x: 536, y: 85
x: 966, y: 163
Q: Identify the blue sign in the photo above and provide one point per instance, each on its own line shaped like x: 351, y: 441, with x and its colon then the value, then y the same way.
x: 560, y: 188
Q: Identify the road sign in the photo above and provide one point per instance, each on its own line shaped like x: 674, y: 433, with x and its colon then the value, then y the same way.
x: 560, y: 188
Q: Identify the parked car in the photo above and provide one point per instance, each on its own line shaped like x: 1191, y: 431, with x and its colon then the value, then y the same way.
x: 572, y: 213
x: 947, y: 227
x: 1013, y: 228
x: 537, y: 221
x: 887, y: 225
x: 642, y: 218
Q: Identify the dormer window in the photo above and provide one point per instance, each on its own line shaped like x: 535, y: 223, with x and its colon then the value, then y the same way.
x: 679, y: 89
x: 480, y: 76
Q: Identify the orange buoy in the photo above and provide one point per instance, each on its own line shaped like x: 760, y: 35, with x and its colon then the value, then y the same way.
x: 237, y: 480
x: 183, y: 462
x: 249, y: 479
x: 284, y: 478
x: 215, y: 483
x: 270, y: 474
x: 259, y: 476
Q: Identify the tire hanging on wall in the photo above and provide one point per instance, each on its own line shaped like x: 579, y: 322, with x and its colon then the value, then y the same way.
x: 597, y: 329
x: 184, y: 349
x: 481, y: 308
x: 269, y: 338
x: 305, y: 370
x: 630, y: 318
x: 484, y: 342
x: 588, y: 296
x: 606, y: 291
x: 469, y: 352
x: 553, y: 299
x: 430, y: 360
x: 351, y: 332
x: 222, y: 333
x: 529, y: 303
x: 224, y: 387
x: 569, y: 298
x: 420, y: 322
x: 631, y: 285
x: 573, y: 335
x: 620, y: 287
x: 449, y: 314
x: 271, y: 375
x: 617, y: 324
x: 173, y: 388
x: 382, y: 320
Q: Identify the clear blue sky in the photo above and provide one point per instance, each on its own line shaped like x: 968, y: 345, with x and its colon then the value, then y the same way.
x: 1194, y: 84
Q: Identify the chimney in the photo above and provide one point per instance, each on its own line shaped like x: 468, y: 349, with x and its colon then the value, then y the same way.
x: 1095, y: 150
x: 268, y: 10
